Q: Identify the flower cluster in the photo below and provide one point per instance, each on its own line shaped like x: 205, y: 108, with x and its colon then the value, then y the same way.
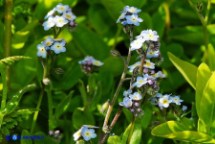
x: 129, y: 16
x: 59, y: 16
x: 132, y: 101
x: 87, y: 132
x: 90, y: 64
x: 50, y: 44
x: 148, y: 78
x: 150, y: 39
x: 164, y: 101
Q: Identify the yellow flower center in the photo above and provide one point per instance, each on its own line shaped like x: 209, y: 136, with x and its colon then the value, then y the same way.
x: 68, y: 16
x: 148, y: 64
x: 165, y: 101
x: 87, y: 133
x: 42, y: 49
x: 48, y: 43
x: 58, y: 46
x: 151, y: 36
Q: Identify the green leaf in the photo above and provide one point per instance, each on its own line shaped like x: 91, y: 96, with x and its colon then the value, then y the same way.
x: 137, y: 134
x: 114, y: 140
x: 24, y: 134
x: 126, y: 133
x: 80, y: 118
x: 211, y: 56
x: 203, y: 74
x: 90, y: 43
x: 113, y: 7
x: 136, y: 3
x: 63, y: 106
x: 99, y: 18
x: 188, y: 70
x: 70, y: 77
x: 159, y: 16
x: 207, y: 106
x: 177, y: 131
x: 20, y: 37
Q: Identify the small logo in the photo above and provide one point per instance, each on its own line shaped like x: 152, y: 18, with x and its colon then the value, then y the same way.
x: 14, y: 137
x: 7, y: 137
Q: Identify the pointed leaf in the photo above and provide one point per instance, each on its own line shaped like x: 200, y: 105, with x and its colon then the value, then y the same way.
x: 203, y: 74
x: 114, y: 140
x: 137, y: 134
x: 177, y: 131
x: 207, y: 105
x: 211, y: 56
x: 126, y: 133
x: 188, y: 70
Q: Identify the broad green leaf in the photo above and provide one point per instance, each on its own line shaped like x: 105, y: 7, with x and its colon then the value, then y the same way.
x: 160, y: 16
x: 191, y: 34
x: 177, y: 131
x: 203, y: 74
x: 207, y: 103
x: 211, y: 56
x: 188, y: 70
x: 202, y: 127
x: 113, y: 7
x: 24, y: 136
x: 99, y: 18
x: 20, y: 37
x: 136, y: 3
x: 63, y: 106
x: 114, y: 140
x: 80, y: 118
x: 71, y: 76
x: 137, y: 134
x: 90, y: 43
x: 147, y: 116
x: 113, y: 65
x: 126, y: 133
x: 174, y: 48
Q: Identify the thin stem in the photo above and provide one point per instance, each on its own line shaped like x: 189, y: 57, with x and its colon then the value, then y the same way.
x: 105, y: 127
x: 7, y: 33
x: 115, y: 119
x: 8, y: 23
x: 198, y: 14
x: 204, y: 20
x: 123, y: 76
x: 37, y: 112
x: 141, y: 64
x: 207, y: 11
x: 48, y: 91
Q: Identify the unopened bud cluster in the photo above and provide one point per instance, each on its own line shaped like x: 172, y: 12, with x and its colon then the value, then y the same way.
x: 89, y: 64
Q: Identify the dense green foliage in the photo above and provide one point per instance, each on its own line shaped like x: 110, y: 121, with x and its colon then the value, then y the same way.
x: 74, y: 98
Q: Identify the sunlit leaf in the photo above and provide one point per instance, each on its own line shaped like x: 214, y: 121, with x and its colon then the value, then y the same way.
x: 207, y: 103
x: 188, y: 70
x: 203, y: 74
x: 177, y: 131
